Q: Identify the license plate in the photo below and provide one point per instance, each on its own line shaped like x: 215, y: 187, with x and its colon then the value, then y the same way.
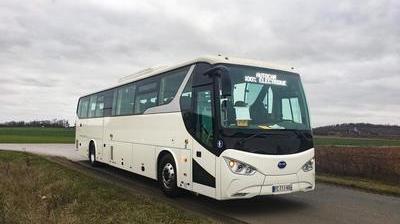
x: 282, y: 188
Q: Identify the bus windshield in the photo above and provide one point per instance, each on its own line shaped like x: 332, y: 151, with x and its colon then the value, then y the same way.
x: 264, y: 99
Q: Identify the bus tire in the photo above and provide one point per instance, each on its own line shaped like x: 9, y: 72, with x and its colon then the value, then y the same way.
x: 92, y: 155
x: 167, y: 176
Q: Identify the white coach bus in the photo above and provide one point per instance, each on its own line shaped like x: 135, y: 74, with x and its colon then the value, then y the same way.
x: 222, y: 127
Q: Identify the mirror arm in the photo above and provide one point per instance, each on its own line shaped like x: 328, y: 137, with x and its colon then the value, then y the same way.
x: 222, y: 72
x: 216, y: 70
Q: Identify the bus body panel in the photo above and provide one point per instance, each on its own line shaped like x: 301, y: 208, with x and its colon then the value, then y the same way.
x: 94, y: 130
x: 206, y: 166
x: 132, y: 148
x: 121, y: 155
x: 81, y: 137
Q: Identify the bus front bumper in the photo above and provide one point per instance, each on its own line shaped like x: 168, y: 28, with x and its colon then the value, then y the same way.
x: 276, y: 181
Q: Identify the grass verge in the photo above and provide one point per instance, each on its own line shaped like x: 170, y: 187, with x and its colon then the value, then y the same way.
x: 361, y: 142
x: 361, y: 183
x: 36, y: 135
x: 36, y: 190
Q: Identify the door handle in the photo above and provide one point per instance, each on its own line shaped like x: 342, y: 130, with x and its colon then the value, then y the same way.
x: 80, y: 125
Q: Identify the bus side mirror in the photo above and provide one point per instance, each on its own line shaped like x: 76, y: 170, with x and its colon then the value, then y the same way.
x: 222, y: 72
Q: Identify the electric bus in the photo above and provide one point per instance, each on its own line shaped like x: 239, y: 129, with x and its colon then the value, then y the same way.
x: 223, y: 127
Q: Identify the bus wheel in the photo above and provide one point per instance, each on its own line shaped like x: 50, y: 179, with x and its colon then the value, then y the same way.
x: 92, y: 155
x: 167, y: 176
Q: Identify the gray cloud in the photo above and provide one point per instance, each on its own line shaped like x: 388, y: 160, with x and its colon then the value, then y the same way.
x: 51, y: 52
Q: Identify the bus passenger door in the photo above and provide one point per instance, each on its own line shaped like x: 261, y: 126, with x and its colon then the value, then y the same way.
x: 203, y: 163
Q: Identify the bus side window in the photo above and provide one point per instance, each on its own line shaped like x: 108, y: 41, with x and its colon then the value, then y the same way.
x: 190, y: 93
x: 186, y: 96
x: 170, y: 83
x: 92, y: 105
x: 125, y: 100
x: 146, y: 96
x: 83, y: 107
x: 108, y: 102
x: 99, y: 106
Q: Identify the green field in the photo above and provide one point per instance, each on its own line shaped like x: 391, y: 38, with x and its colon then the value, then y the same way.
x: 36, y: 190
x: 361, y: 142
x: 36, y: 135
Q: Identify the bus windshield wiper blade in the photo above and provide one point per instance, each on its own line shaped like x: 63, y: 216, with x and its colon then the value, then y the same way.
x: 243, y: 140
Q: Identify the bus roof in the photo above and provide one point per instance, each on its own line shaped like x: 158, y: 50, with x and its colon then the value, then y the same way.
x: 148, y: 72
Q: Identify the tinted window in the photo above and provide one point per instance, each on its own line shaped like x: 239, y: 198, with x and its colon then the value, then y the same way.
x: 204, y: 121
x: 99, y: 106
x: 186, y: 96
x: 92, y: 105
x: 108, y: 102
x: 125, y: 100
x: 170, y: 83
x: 147, y: 94
x: 83, y: 107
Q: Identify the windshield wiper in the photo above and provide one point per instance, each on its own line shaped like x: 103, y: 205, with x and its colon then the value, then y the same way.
x: 243, y: 140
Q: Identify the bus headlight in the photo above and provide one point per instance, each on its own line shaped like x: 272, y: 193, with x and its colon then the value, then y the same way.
x: 240, y: 167
x: 309, y: 165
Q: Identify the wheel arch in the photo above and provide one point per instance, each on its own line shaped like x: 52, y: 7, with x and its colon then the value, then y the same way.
x: 161, y: 153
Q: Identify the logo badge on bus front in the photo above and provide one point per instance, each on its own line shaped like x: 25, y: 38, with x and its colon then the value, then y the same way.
x: 282, y: 164
x: 220, y: 144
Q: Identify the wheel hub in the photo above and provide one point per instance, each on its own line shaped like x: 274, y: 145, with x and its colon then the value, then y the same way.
x: 168, y: 175
x: 92, y: 157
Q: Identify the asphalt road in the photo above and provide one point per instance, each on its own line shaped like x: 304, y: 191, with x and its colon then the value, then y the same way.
x: 327, y: 204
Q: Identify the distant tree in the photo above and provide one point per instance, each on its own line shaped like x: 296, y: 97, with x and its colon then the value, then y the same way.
x: 56, y: 123
x: 359, y: 130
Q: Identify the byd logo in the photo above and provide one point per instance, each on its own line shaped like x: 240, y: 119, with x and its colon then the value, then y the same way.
x: 282, y: 164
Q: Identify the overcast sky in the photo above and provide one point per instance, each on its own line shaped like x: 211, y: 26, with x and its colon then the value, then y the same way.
x: 348, y: 52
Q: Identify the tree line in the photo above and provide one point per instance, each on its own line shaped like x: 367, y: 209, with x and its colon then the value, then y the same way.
x: 359, y: 130
x: 54, y: 123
